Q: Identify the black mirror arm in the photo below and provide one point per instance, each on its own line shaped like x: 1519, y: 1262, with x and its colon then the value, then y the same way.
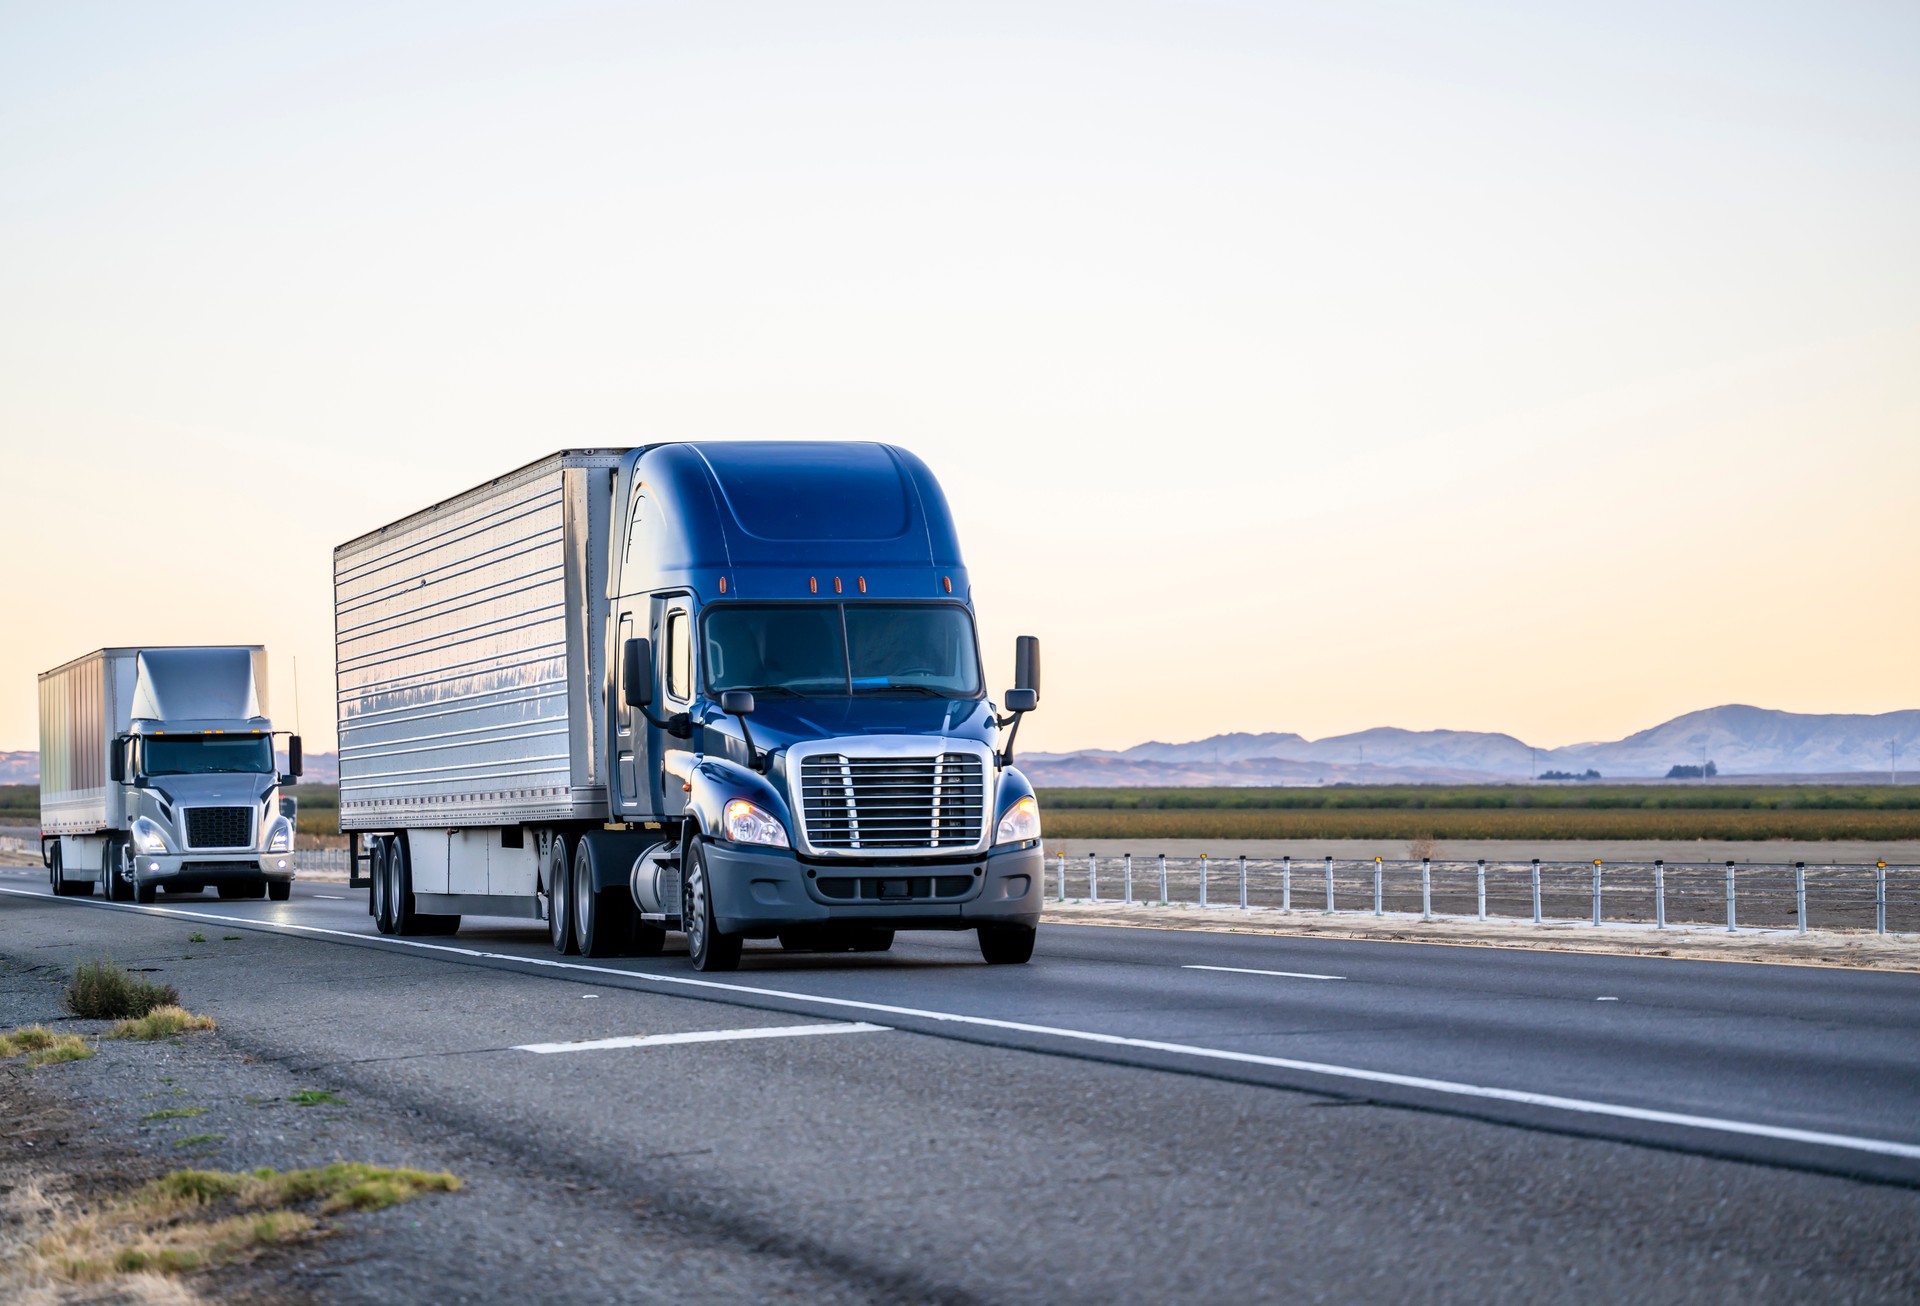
x: 756, y: 760
x: 1006, y: 755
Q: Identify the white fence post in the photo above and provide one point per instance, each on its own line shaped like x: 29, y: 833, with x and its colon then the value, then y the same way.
x: 1426, y: 888
x: 1128, y: 863
x: 1536, y: 891
x: 1596, y: 893
x: 1329, y: 885
x: 1062, y: 863
x: 1243, y: 881
x: 1203, y: 879
x: 1659, y: 895
x: 1163, y: 879
x: 1880, y: 898
x: 1800, y: 895
x: 1480, y: 886
x: 1093, y: 877
x: 1730, y: 925
x: 1286, y: 883
x: 1376, y: 886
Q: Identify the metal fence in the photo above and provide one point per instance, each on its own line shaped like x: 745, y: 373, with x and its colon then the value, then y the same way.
x: 1796, y: 896
x: 320, y: 859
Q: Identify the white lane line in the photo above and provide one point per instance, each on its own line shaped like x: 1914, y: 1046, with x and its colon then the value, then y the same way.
x: 337, y: 897
x: 703, y: 1036
x: 1450, y: 1088
x: 1284, y: 974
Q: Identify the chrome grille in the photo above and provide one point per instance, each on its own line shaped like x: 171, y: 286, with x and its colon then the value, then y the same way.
x: 856, y: 804
x: 219, y: 827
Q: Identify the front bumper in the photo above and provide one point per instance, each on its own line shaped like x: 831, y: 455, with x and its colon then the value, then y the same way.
x: 214, y: 868
x: 759, y: 891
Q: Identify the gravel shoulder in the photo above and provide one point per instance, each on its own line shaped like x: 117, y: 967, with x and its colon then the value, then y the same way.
x: 1815, y: 948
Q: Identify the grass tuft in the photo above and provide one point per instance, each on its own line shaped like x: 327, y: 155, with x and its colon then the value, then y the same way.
x: 100, y: 990
x: 192, y: 1220
x: 43, y: 1047
x: 175, y: 1113
x: 317, y: 1097
x: 161, y: 1022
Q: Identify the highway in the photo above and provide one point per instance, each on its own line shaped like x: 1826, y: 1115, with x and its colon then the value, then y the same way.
x: 1138, y: 1114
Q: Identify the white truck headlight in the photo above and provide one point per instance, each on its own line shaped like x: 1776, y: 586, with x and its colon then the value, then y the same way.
x: 148, y: 837
x: 279, y: 836
x: 748, y: 824
x: 1021, y: 823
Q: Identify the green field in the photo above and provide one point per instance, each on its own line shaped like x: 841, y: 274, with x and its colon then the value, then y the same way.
x: 1736, y: 812
x: 1678, y: 811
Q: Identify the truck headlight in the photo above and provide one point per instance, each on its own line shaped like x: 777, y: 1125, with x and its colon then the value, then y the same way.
x: 148, y: 837
x: 1021, y: 823
x: 748, y: 824
x: 279, y: 836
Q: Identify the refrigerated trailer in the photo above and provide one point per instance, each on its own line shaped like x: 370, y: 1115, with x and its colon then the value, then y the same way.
x: 728, y: 689
x: 157, y: 770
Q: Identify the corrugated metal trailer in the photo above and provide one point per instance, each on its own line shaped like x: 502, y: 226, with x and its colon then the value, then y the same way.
x: 83, y: 705
x: 469, y: 650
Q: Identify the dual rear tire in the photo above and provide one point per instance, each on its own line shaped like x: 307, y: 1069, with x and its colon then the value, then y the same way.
x: 588, y: 920
x: 394, y: 910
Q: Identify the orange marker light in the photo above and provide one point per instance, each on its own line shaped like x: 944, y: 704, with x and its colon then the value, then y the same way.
x: 863, y: 584
x: 813, y: 585
x: 723, y: 584
x: 836, y: 584
x: 948, y: 582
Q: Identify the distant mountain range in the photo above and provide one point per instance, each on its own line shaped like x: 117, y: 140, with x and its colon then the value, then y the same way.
x: 1738, y: 740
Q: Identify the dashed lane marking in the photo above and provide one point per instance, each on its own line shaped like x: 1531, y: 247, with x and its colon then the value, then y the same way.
x: 1284, y: 974
x: 703, y: 1036
x: 1441, y: 1087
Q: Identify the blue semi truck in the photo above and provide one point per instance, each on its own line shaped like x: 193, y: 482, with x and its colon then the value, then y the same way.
x: 727, y: 689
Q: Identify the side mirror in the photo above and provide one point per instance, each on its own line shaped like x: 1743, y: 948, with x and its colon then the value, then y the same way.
x: 1021, y: 700
x: 1026, y: 665
x: 737, y: 702
x: 636, y: 672
x: 296, y: 759
x: 117, y: 760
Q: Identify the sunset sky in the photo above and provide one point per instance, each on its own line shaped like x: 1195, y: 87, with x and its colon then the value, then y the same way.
x: 1290, y: 367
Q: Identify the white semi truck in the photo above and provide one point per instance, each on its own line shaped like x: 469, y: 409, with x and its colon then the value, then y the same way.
x: 157, y: 771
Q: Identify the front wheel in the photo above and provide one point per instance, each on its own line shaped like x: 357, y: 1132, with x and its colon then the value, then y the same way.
x: 1007, y: 945
x: 279, y: 890
x: 141, y: 891
x: 706, y: 945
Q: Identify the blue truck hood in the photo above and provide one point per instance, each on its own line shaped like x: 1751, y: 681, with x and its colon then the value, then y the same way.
x: 779, y: 722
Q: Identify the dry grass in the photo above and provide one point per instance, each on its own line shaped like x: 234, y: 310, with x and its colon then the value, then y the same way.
x: 1477, y: 823
x: 100, y: 990
x: 162, y: 1022
x: 42, y: 1046
x: 194, y: 1219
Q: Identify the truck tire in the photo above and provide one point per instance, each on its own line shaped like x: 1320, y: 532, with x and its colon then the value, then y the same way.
x: 279, y: 890
x: 141, y: 891
x: 1007, y: 945
x: 406, y: 920
x: 382, y: 891
x: 559, y: 879
x: 603, y: 919
x: 62, y: 886
x: 706, y: 945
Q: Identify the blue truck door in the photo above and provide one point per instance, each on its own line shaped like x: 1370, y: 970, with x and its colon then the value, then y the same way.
x: 627, y: 792
x: 673, y: 637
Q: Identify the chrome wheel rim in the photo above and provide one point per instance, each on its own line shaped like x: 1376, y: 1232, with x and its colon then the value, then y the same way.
x: 557, y: 891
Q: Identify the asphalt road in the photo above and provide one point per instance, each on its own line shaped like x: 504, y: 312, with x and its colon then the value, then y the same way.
x: 1138, y: 1115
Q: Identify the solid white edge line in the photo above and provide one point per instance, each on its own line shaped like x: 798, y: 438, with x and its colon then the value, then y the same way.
x: 703, y: 1036
x: 1574, y: 1105
x: 1284, y: 974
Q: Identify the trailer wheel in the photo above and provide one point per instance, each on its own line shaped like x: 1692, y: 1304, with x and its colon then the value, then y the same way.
x: 560, y: 896
x: 382, y: 887
x: 400, y: 879
x: 706, y: 945
x: 602, y: 918
x: 1007, y: 945
x: 62, y: 886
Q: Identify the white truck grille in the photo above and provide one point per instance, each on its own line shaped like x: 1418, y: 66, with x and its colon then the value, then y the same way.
x: 880, y: 804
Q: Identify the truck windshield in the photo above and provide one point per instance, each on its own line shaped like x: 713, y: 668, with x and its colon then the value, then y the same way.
x: 831, y: 649
x: 206, y: 754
